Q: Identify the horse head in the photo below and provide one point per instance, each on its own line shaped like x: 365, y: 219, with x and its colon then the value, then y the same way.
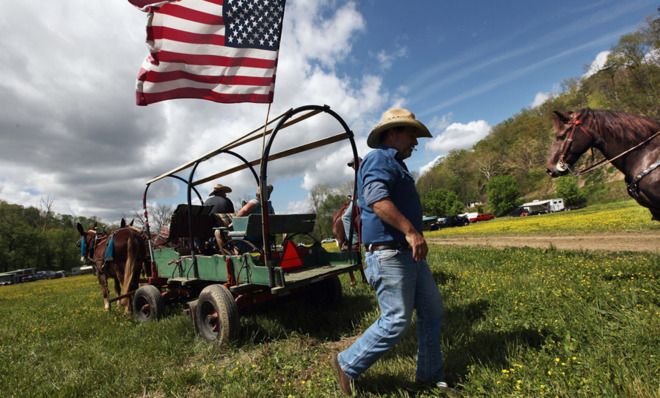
x: 87, y: 243
x: 123, y: 223
x: 572, y: 139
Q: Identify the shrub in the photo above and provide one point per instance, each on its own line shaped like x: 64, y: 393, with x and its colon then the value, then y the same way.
x: 567, y: 188
x: 441, y: 203
x: 503, y: 193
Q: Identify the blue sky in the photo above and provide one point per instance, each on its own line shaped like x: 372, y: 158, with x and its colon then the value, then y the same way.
x: 70, y: 131
x: 483, y: 60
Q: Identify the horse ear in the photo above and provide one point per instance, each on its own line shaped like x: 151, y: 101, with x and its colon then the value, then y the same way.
x: 122, y: 224
x: 80, y: 228
x: 559, y: 119
x: 132, y: 221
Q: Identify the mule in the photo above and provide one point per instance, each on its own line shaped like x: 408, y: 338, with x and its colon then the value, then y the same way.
x: 122, y: 263
x: 630, y: 143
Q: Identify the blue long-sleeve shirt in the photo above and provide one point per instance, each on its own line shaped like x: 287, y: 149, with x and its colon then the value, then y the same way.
x: 382, y: 175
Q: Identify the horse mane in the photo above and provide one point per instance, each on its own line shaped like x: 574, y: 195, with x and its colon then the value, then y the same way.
x: 621, y: 126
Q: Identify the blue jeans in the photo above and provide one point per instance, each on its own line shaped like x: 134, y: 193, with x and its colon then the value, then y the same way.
x: 401, y: 285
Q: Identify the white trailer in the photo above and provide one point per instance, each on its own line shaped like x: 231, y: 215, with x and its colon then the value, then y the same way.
x: 544, y: 206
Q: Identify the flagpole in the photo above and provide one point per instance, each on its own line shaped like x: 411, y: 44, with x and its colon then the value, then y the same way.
x: 263, y: 193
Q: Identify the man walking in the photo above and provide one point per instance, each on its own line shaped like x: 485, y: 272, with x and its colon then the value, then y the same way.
x: 396, y: 267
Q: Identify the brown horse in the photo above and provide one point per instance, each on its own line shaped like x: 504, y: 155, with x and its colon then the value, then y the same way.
x: 339, y: 229
x: 631, y: 143
x: 123, y: 262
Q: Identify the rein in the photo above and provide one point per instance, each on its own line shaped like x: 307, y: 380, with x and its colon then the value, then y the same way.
x: 603, y: 161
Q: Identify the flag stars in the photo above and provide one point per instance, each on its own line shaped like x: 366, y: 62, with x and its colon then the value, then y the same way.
x: 253, y: 24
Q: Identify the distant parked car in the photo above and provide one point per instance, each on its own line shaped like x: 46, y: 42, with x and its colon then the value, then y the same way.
x: 429, y: 223
x: 519, y: 212
x: 482, y: 217
x: 452, y: 221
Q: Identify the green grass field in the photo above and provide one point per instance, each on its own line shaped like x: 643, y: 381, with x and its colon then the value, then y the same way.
x: 624, y: 216
x: 518, y: 322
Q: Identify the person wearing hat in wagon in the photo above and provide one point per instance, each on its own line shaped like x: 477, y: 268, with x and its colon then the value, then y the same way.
x: 254, y: 205
x: 219, y: 200
x: 222, y: 206
x: 396, y: 268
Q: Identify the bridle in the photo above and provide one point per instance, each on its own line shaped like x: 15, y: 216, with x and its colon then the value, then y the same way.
x: 88, y: 253
x: 569, y: 135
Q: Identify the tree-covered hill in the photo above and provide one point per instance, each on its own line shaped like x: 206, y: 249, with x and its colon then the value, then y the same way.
x: 518, y: 146
x: 34, y: 238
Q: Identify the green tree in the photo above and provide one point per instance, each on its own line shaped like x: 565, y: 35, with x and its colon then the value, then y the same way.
x: 567, y: 188
x: 325, y: 202
x: 441, y: 203
x: 503, y: 193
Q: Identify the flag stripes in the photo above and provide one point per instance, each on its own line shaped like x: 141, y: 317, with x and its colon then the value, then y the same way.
x: 190, y: 56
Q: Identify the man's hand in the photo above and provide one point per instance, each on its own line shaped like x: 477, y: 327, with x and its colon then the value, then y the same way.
x: 418, y: 244
x: 389, y: 213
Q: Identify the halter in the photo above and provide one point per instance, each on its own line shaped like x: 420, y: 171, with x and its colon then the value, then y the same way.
x: 569, y: 133
x: 88, y: 253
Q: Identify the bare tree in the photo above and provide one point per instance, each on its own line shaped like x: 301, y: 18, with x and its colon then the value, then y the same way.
x: 318, y: 195
x: 46, y: 210
x: 159, y: 215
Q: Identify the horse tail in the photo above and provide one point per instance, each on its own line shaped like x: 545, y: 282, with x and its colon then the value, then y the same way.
x: 131, y: 259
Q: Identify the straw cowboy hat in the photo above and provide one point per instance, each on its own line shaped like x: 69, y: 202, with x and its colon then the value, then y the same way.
x: 220, y: 188
x: 396, y: 117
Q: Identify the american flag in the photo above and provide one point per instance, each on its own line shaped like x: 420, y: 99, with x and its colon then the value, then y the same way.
x: 218, y: 50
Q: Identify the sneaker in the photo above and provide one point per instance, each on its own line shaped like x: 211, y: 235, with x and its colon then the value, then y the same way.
x: 344, y: 380
x: 448, y: 391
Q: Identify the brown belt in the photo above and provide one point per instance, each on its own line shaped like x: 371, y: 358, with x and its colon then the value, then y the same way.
x: 387, y: 246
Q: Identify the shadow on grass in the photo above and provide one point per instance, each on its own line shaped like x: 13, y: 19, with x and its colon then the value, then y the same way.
x: 465, y: 347
x: 462, y: 347
x: 277, y: 319
x: 488, y: 349
x: 442, y: 278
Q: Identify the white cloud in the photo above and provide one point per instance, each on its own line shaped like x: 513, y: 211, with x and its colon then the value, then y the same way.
x: 653, y: 56
x: 430, y: 165
x: 299, y: 206
x: 69, y: 128
x: 386, y: 58
x: 597, y: 64
x: 439, y: 123
x: 540, y: 98
x: 459, y: 136
x: 326, y: 39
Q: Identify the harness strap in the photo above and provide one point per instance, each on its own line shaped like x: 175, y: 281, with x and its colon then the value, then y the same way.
x: 603, y: 161
x: 109, y: 249
x: 633, y: 187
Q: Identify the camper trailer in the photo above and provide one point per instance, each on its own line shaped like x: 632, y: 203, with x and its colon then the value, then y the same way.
x: 544, y: 206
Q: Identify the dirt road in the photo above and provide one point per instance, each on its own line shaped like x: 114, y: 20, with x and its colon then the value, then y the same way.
x: 648, y: 241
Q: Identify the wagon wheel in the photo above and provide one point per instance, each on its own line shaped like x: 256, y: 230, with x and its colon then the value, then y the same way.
x: 217, y: 314
x: 148, y: 304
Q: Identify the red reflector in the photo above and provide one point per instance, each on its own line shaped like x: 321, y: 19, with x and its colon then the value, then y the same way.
x: 292, y: 255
